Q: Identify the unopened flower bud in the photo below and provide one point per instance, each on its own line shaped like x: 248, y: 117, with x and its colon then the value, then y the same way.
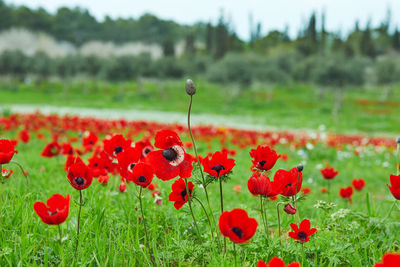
x: 289, y: 209
x: 300, y: 167
x: 190, y: 87
x: 398, y: 140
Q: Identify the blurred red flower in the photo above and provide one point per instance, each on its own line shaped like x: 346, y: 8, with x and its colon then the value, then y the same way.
x: 51, y: 150
x: 389, y: 260
x: 358, y: 184
x: 7, y: 151
x: 276, y: 262
x: 346, y: 192
x: 329, y: 173
x: 394, y: 186
x: 55, y: 211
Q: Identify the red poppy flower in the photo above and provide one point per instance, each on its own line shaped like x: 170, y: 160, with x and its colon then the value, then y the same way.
x: 103, y: 179
x: 329, y: 173
x: 71, y: 160
x: 276, y: 262
x: 145, y: 147
x: 306, y: 190
x: 264, y: 158
x: 179, y: 194
x: 127, y: 161
x: 6, y: 173
x: 394, y: 186
x: 24, y: 136
x: 303, y: 232
x: 358, y: 184
x: 67, y: 149
x: 219, y: 164
x: 389, y: 260
x: 290, y: 181
x: 346, y: 192
x: 261, y: 185
x: 142, y: 174
x: 324, y: 190
x: 172, y: 160
x: 116, y: 145
x: 7, y: 151
x: 89, y: 139
x: 55, y: 211
x: 237, y: 225
x: 51, y: 150
x: 79, y: 175
x: 97, y: 166
x: 151, y: 187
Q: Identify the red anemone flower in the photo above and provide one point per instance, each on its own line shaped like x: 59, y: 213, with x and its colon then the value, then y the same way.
x: 346, y: 192
x: 264, y: 158
x: 79, y: 175
x: 142, y: 174
x: 7, y: 151
x: 358, y: 184
x: 23, y: 135
x: 237, y: 225
x: 172, y: 160
x: 97, y: 166
x: 303, y: 232
x: 306, y: 190
x: 276, y: 262
x: 71, y: 160
x: 389, y: 260
x: 51, y: 150
x: 116, y: 145
x: 127, y: 161
x: 89, y: 139
x: 261, y: 185
x: 290, y: 181
x: 6, y: 173
x: 145, y: 147
x: 394, y: 186
x: 122, y: 187
x: 329, y: 173
x: 179, y: 194
x: 289, y: 209
x: 55, y: 211
x: 103, y: 179
x: 67, y: 149
x: 219, y: 164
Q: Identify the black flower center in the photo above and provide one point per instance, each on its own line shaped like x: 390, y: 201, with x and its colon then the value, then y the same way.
x: 237, y: 231
x: 288, y: 185
x: 79, y: 180
x: 132, y: 165
x: 142, y: 179
x: 218, y: 168
x: 147, y: 151
x: 96, y: 164
x: 302, y: 235
x: 91, y: 142
x: 53, y: 213
x: 183, y: 194
x: 169, y: 154
x: 262, y: 163
x: 117, y: 150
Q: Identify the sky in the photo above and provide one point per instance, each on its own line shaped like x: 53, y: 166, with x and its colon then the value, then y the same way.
x: 340, y: 15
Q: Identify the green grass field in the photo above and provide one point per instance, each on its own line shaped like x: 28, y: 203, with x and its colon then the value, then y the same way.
x: 348, y: 235
x: 293, y: 106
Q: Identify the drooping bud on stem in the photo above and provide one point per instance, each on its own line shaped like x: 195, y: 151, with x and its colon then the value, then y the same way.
x: 398, y: 140
x: 289, y: 209
x: 190, y: 87
x: 300, y: 167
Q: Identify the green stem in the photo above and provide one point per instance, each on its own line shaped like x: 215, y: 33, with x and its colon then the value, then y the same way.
x: 61, y: 248
x: 141, y: 211
x: 234, y: 252
x: 263, y: 215
x: 390, y: 211
x: 190, y: 207
x: 60, y: 233
x: 209, y: 221
x: 398, y: 160
x: 79, y: 218
x: 279, y: 228
x: 22, y: 170
x: 222, y: 206
x: 302, y: 254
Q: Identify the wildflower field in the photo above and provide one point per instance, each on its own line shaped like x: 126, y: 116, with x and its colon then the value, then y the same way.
x: 86, y: 191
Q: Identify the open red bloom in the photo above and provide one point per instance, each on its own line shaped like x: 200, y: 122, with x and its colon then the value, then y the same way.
x: 290, y: 181
x: 179, y: 194
x: 103, y: 179
x: 358, y: 184
x: 172, y: 160
x: 237, y: 225
x: 127, y: 161
x: 261, y: 185
x: 346, y: 192
x: 7, y: 151
x: 389, y: 260
x: 67, y: 149
x: 264, y: 158
x: 303, y: 232
x: 142, y: 174
x: 276, y: 262
x: 219, y: 164
x: 145, y: 147
x: 71, y: 160
x: 116, y: 145
x: 51, y: 150
x: 79, y: 175
x: 56, y: 210
x: 97, y: 165
x: 89, y: 139
x: 394, y: 186
x: 329, y: 173
x: 23, y: 135
x: 6, y: 173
